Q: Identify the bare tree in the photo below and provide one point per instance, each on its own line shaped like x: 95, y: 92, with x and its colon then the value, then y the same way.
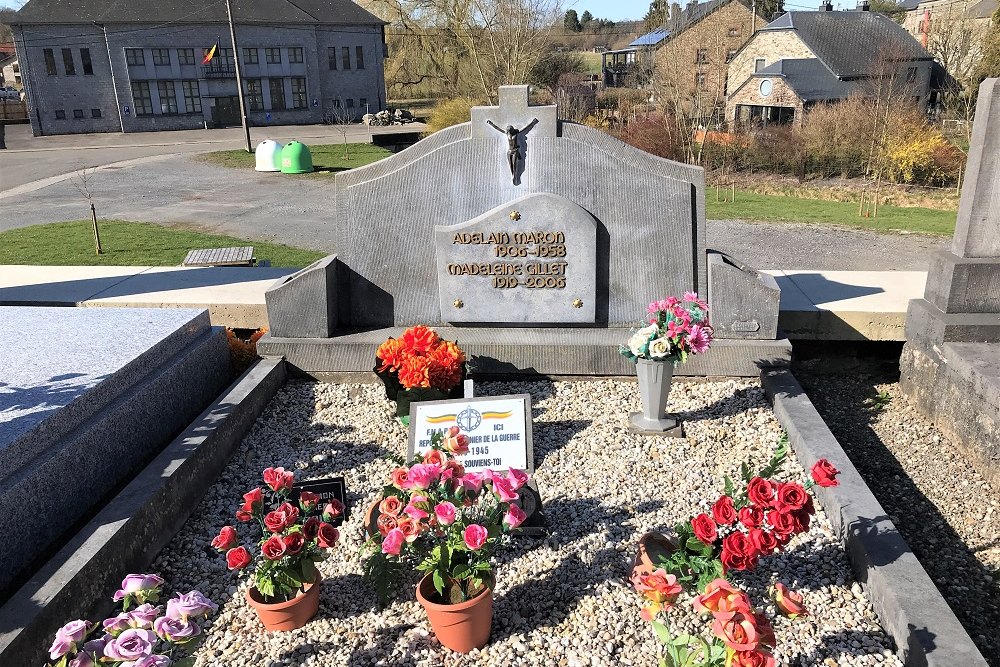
x: 83, y: 181
x: 342, y: 117
x: 957, y: 43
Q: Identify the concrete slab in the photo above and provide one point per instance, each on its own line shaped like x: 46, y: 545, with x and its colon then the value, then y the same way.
x: 59, y: 285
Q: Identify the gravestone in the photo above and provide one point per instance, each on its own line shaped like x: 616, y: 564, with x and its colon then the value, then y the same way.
x: 950, y: 366
x: 535, y: 243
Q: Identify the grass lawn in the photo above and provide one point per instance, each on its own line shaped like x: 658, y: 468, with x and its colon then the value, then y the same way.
x: 128, y: 244
x: 327, y: 158
x: 773, y: 208
x: 591, y: 61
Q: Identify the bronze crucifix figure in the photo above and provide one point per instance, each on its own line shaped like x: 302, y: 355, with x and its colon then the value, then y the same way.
x: 515, y: 158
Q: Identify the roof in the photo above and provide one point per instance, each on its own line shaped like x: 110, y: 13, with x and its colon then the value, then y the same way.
x: 982, y: 10
x: 811, y: 80
x: 849, y: 42
x: 651, y: 38
x: 314, y: 12
x: 690, y: 15
x: 909, y: 4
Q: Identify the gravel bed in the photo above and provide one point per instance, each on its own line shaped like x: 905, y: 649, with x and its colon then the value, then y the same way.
x: 560, y: 600
x: 944, y: 509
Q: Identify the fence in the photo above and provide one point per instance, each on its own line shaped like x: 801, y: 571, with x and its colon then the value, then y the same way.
x: 13, y: 110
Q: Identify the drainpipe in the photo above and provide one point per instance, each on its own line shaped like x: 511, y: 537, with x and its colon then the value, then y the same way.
x: 114, y: 81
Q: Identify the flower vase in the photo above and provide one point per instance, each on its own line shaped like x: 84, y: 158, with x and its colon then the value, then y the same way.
x: 461, y: 627
x: 653, y: 547
x: 289, y: 615
x: 655, y: 378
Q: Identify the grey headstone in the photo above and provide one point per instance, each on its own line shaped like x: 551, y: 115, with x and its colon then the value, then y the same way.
x: 304, y: 304
x: 515, y: 111
x: 743, y: 303
x: 977, y: 230
x: 533, y: 260
x: 964, y: 284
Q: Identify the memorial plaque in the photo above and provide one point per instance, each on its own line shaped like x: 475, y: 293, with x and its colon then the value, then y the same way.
x: 326, y: 489
x: 530, y: 261
x: 499, y: 430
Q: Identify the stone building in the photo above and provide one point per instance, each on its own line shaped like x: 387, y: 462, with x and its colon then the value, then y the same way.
x: 805, y: 58
x: 952, y: 30
x: 92, y: 66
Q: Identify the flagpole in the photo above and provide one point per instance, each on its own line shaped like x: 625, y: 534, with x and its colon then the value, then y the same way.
x: 239, y: 76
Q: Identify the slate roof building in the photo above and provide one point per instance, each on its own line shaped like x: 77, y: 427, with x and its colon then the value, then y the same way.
x: 954, y: 30
x: 97, y: 66
x: 805, y: 58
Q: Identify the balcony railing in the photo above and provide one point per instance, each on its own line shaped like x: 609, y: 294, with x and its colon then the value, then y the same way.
x: 220, y: 71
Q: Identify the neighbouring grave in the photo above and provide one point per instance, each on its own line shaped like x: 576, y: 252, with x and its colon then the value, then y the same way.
x: 950, y: 366
x: 535, y: 247
x: 88, y: 397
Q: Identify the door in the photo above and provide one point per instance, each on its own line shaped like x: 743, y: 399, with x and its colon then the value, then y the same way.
x: 226, y: 111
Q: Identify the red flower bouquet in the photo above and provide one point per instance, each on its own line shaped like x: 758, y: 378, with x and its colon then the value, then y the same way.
x: 419, y: 366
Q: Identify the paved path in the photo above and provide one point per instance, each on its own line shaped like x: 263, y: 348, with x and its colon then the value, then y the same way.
x: 29, y: 159
x: 295, y: 210
x: 823, y: 305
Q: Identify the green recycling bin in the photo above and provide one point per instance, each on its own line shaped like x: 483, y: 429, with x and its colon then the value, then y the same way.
x: 296, y: 158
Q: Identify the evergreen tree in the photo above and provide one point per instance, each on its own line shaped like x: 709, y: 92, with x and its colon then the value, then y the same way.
x: 656, y: 17
x: 571, y: 22
x: 586, y: 18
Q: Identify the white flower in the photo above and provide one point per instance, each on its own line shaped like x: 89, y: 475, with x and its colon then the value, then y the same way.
x: 640, y: 338
x: 659, y: 348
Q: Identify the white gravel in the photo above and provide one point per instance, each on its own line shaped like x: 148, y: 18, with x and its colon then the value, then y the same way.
x: 560, y: 600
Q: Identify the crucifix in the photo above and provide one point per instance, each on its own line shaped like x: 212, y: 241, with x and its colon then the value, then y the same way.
x: 515, y: 157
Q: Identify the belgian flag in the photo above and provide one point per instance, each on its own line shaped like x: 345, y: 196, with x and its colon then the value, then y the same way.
x: 210, y: 54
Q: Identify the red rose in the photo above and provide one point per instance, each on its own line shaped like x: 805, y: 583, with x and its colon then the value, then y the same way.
x: 760, y: 491
x: 824, y: 474
x: 333, y: 509
x: 311, y: 527
x: 327, y: 536
x: 790, y: 497
x: 753, y: 659
x: 238, y: 558
x: 279, y: 479
x: 801, y: 518
x: 742, y: 554
x: 724, y: 512
x: 704, y: 528
x: 308, y: 500
x: 274, y: 548
x: 783, y: 522
x: 226, y: 539
x: 751, y: 516
x: 764, y: 541
x: 275, y: 521
x: 243, y: 515
x: 294, y: 543
x: 252, y: 500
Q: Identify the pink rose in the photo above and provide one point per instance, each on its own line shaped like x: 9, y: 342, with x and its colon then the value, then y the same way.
x: 475, y: 536
x: 133, y: 644
x: 504, y: 492
x: 193, y: 604
x: 400, y: 478
x: 515, y: 516
x: 279, y: 479
x: 413, y: 510
x: 226, y: 539
x: 137, y: 583
x: 143, y: 616
x: 516, y: 478
x: 788, y: 602
x: 83, y: 660
x: 423, y: 476
x: 472, y: 482
x: 393, y: 542
x: 445, y: 513
x: 67, y: 637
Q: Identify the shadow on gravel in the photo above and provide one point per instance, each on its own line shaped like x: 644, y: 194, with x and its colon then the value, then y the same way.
x: 848, y: 643
x: 850, y: 405
x: 543, y: 442
x: 739, y: 402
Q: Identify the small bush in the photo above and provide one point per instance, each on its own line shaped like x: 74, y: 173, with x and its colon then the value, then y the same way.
x: 450, y: 112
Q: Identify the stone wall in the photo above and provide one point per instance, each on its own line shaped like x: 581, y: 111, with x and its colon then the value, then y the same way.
x: 772, y: 46
x: 781, y: 95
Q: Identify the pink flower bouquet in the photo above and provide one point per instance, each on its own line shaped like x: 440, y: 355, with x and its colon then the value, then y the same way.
x: 677, y: 328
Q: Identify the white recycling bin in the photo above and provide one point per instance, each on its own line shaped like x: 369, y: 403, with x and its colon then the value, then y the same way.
x: 268, y: 154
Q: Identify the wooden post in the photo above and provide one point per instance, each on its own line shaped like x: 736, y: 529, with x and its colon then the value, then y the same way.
x: 861, y: 205
x: 97, y: 234
x: 717, y: 186
x: 734, y: 192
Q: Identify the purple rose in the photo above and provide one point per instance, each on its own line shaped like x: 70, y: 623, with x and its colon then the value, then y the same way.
x: 189, y: 605
x: 67, y: 637
x: 96, y: 646
x: 152, y: 661
x: 82, y: 660
x: 118, y: 623
x: 144, y: 615
x: 174, y: 630
x: 132, y: 644
x: 136, y: 583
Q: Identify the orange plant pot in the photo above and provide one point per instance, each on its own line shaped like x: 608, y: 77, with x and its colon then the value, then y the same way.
x: 290, y: 615
x: 460, y: 627
x: 652, y: 547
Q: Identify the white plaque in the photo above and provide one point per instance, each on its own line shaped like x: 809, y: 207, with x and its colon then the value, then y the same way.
x: 498, y: 427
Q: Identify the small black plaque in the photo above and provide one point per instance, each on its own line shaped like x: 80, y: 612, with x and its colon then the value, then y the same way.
x: 326, y: 489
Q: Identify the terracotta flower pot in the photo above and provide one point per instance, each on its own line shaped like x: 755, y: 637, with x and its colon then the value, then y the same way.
x: 652, y: 548
x: 460, y: 627
x: 371, y: 518
x: 290, y: 615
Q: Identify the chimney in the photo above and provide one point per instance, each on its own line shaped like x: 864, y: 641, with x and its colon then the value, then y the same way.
x: 690, y: 7
x: 826, y: 7
x: 863, y: 5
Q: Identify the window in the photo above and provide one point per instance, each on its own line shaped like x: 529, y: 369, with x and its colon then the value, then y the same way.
x: 223, y: 58
x: 758, y: 64
x: 50, y: 62
x: 277, y: 87
x: 88, y: 66
x: 911, y: 75
x: 68, y: 62
x: 701, y: 57
x: 78, y: 114
x: 359, y: 57
x: 95, y: 113
x: 336, y: 104
x: 299, y: 98
x: 60, y: 114
x: 251, y: 56
x: 363, y: 102
x: 141, y: 99
x: 272, y: 56
x: 730, y: 54
x: 350, y: 102
x: 134, y: 57
x: 295, y: 54
x: 192, y: 96
x: 734, y: 31
x: 255, y: 95
x: 185, y: 56
x: 168, y: 97
x: 345, y: 56
x: 161, y: 56
x: 331, y: 57
x: 699, y: 79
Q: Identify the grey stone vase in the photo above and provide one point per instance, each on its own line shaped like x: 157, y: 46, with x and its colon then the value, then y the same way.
x: 655, y: 378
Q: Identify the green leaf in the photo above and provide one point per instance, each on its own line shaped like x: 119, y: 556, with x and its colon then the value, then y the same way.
x: 662, y: 632
x: 308, y: 570
x: 265, y: 586
x: 745, y: 472
x: 461, y: 572
x: 730, y: 487
x: 438, y: 582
